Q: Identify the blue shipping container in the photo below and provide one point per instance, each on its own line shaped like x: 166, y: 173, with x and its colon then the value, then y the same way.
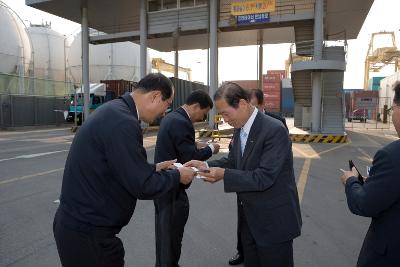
x: 287, y: 102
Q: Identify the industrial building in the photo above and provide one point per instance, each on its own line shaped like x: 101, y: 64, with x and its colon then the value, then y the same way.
x: 317, y: 65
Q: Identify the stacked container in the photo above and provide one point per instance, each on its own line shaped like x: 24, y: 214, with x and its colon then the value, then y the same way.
x: 272, y: 90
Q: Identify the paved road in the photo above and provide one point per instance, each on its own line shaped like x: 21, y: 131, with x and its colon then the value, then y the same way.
x: 31, y: 166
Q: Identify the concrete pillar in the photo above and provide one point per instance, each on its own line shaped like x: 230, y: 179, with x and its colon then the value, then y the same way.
x: 316, y: 101
x: 143, y: 38
x: 318, y: 29
x: 85, y: 61
x: 317, y: 76
x: 175, y: 37
x: 260, y: 58
x: 213, y: 44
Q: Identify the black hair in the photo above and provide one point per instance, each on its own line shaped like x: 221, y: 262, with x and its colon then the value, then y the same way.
x: 396, y: 89
x: 232, y: 93
x: 258, y: 94
x: 200, y: 97
x: 156, y: 82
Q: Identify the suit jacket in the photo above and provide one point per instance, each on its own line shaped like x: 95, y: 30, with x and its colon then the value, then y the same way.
x: 379, y: 198
x: 107, y: 170
x: 263, y: 179
x: 275, y: 116
x: 176, y: 140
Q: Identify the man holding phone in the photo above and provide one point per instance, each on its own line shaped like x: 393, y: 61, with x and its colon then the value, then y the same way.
x: 379, y: 198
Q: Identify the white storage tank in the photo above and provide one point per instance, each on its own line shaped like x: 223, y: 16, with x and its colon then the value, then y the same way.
x: 113, y: 61
x: 15, y: 46
x: 49, y: 52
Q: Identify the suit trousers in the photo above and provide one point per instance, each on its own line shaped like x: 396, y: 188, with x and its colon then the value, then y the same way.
x: 172, y: 213
x: 276, y: 255
x: 81, y: 246
x: 239, y: 245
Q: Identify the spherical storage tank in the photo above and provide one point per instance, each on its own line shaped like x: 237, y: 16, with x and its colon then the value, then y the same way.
x: 113, y: 61
x: 49, y: 54
x: 15, y: 46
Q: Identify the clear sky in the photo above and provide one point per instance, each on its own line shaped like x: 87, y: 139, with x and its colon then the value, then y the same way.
x: 383, y: 16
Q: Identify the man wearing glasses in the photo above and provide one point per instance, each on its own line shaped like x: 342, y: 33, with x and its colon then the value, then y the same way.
x: 107, y: 171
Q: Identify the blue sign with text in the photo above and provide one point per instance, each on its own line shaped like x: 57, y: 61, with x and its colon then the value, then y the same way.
x: 252, y: 19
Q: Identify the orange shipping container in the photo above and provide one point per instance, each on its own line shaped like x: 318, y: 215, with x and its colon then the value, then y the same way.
x: 272, y: 105
x: 247, y: 84
x: 271, y: 87
x: 282, y: 73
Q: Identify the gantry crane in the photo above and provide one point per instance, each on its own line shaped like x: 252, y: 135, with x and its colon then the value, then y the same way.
x: 378, y: 58
x: 160, y: 65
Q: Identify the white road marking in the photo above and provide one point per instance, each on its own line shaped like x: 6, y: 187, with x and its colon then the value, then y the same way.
x: 29, y: 156
x: 29, y: 176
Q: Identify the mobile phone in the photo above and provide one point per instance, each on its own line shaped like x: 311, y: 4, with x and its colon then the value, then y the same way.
x: 360, y: 177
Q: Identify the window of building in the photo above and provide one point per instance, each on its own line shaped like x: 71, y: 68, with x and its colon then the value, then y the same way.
x: 200, y: 2
x: 186, y: 3
x: 157, y: 5
x: 154, y: 5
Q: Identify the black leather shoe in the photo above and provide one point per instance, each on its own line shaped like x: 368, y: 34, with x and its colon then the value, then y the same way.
x: 235, y: 260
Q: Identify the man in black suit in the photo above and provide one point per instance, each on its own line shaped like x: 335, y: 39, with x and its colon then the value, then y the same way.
x: 107, y: 171
x: 259, y: 168
x: 176, y: 140
x: 257, y: 100
x: 378, y: 197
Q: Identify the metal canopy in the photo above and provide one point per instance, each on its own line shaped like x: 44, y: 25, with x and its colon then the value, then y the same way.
x: 115, y: 18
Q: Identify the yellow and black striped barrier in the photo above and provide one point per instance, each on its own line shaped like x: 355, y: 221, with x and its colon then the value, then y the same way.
x: 318, y: 138
x: 225, y: 133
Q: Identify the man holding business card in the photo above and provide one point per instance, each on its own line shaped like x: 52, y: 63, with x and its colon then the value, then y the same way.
x: 176, y: 140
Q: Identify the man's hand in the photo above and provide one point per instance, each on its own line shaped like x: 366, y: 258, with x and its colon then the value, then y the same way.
x: 187, y: 175
x: 169, y: 164
x: 201, y: 145
x: 196, y: 163
x: 216, y: 148
x: 213, y: 174
x: 347, y: 174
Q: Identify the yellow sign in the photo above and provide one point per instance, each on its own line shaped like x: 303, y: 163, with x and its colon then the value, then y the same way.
x: 252, y: 7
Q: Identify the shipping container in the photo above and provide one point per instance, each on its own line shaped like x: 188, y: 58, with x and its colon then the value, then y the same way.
x: 374, y: 83
x: 272, y: 78
x: 118, y: 87
x: 272, y: 86
x: 287, y: 102
x: 287, y: 83
x: 281, y: 73
x: 247, y: 84
x: 363, y: 105
x: 272, y: 105
x: 183, y: 89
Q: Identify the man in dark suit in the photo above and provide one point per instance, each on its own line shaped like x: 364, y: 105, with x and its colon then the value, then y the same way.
x: 257, y: 100
x: 378, y: 197
x: 107, y: 171
x: 259, y: 168
x: 176, y: 140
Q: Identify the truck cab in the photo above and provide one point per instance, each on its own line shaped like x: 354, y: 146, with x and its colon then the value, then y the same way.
x: 98, y: 96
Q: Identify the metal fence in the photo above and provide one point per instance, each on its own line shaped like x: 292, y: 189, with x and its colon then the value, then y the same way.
x: 22, y: 85
x: 27, y: 101
x: 20, y: 110
x: 377, y: 116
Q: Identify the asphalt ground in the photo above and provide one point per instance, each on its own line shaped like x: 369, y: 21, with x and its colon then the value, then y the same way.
x: 31, y: 168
